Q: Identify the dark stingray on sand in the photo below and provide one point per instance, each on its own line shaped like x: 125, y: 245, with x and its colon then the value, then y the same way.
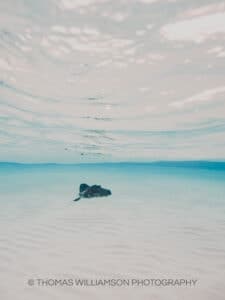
x: 87, y: 191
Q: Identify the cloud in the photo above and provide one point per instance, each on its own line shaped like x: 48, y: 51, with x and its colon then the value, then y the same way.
x: 63, y: 39
x: 148, y: 1
x: 73, y: 4
x: 202, y: 97
x: 195, y: 30
x: 218, y: 51
x: 118, y: 16
x: 204, y: 10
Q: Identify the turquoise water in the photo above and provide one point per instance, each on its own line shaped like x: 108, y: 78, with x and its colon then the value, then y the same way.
x: 162, y: 220
x: 200, y: 186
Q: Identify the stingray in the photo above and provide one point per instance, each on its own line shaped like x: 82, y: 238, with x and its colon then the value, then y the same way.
x: 87, y: 191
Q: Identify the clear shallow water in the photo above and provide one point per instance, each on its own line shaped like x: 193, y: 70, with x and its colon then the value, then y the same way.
x: 160, y: 222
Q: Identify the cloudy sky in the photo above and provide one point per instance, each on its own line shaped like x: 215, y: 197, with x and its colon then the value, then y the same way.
x: 112, y: 80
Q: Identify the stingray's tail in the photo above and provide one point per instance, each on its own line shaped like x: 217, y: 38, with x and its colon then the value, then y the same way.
x: 77, y: 199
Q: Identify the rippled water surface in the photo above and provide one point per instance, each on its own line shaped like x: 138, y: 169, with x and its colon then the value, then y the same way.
x: 103, y: 80
x: 160, y: 222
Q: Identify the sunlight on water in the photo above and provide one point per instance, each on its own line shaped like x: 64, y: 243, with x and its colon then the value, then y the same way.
x: 103, y: 80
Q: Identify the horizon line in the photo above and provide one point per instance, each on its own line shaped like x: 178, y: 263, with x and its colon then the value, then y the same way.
x: 197, y: 161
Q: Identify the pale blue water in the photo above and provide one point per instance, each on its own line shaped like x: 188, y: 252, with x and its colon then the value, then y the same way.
x: 192, y: 185
x: 180, y: 190
x: 163, y: 220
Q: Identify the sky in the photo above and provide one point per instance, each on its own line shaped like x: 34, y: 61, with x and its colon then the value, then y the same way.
x: 112, y: 80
